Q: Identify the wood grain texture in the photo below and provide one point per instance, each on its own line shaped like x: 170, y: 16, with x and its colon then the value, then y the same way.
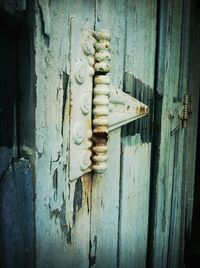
x: 62, y: 209
x: 110, y: 15
x: 17, y: 216
x: 134, y: 202
x: 135, y: 177
x: 169, y: 185
x: 140, y: 40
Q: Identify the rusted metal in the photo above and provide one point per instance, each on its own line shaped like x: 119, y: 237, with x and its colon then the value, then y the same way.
x: 186, y: 110
x: 101, y: 102
x: 80, y: 99
x: 111, y: 107
x: 142, y: 109
x: 123, y: 108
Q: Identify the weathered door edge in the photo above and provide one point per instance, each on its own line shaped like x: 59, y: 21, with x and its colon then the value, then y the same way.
x: 104, y: 214
x: 139, y: 72
x: 191, y: 135
x: 62, y: 213
x: 191, y: 140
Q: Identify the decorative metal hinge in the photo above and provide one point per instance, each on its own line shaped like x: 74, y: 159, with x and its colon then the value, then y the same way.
x: 181, y: 114
x: 186, y: 110
x: 110, y: 108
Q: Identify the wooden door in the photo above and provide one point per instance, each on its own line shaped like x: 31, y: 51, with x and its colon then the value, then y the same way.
x: 120, y: 198
x: 103, y: 220
x: 173, y: 158
x: 136, y: 213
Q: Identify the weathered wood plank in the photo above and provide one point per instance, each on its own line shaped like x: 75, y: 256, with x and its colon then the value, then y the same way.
x: 62, y: 208
x: 164, y: 180
x: 105, y: 189
x: 136, y: 148
x: 178, y: 215
x: 5, y: 159
x: 134, y: 203
x: 168, y: 207
x: 17, y: 216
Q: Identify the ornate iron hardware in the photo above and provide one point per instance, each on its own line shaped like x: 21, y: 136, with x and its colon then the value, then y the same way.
x: 110, y: 108
x: 186, y: 111
x: 181, y: 117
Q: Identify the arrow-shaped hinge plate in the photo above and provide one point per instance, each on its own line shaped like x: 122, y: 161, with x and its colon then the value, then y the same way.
x: 124, y: 109
x: 110, y: 108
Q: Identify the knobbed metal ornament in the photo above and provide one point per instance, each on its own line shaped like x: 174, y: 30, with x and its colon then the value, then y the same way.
x: 101, y: 101
x: 96, y: 106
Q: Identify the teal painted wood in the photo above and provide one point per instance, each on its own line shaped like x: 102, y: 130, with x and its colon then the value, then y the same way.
x: 134, y: 203
x: 135, y: 175
x: 104, y: 222
x: 105, y: 188
x: 17, y: 212
x: 169, y: 192
x: 178, y: 215
x: 62, y: 209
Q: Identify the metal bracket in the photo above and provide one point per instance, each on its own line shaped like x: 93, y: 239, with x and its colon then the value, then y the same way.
x: 186, y: 111
x: 124, y: 109
x: 80, y: 96
x: 111, y: 108
x: 181, y: 114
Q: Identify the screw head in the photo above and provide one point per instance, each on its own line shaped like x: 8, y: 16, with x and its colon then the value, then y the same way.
x: 91, y: 60
x: 85, y: 161
x: 89, y: 134
x: 91, y: 71
x: 80, y: 71
x: 85, y: 103
x: 78, y: 133
x: 88, y: 42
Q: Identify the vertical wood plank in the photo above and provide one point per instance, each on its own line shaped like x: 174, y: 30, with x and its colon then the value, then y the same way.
x: 17, y: 214
x: 164, y: 180
x: 178, y: 214
x: 134, y: 203
x: 62, y: 209
x: 168, y: 207
x: 110, y: 15
x: 135, y: 181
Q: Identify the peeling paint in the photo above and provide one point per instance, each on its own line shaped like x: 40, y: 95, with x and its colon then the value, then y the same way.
x: 77, y: 201
x: 92, y: 259
x: 87, y: 188
x: 65, y: 85
x: 46, y: 24
x: 61, y: 215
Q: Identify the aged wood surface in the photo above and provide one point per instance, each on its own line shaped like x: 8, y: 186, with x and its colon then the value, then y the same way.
x: 17, y: 215
x: 168, y: 206
x: 135, y: 174
x: 110, y: 15
x: 103, y: 221
x: 134, y: 203
x: 62, y: 209
x: 167, y: 90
